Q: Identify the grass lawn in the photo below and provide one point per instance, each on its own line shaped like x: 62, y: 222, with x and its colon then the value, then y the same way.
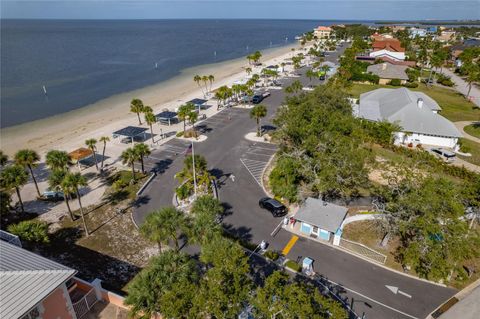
x: 474, y: 149
x: 473, y: 129
x: 453, y: 104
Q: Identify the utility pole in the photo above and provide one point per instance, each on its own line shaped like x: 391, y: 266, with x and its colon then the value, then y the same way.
x: 194, y: 173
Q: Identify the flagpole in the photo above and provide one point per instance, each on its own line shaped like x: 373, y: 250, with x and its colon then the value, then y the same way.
x: 194, y: 175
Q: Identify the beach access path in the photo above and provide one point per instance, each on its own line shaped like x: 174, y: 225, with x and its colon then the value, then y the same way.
x: 228, y: 153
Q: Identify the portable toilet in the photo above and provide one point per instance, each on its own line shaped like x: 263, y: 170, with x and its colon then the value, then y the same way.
x: 307, y: 266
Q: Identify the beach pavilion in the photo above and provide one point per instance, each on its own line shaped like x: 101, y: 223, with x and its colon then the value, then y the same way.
x: 80, y: 154
x: 199, y: 103
x: 167, y: 117
x: 130, y: 132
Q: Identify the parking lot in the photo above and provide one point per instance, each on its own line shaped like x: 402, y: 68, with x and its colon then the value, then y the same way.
x: 256, y: 158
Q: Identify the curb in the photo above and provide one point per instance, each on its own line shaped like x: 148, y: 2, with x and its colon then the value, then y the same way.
x: 140, y: 191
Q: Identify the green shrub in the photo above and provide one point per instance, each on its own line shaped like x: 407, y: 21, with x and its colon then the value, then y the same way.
x: 444, y: 80
x: 293, y: 265
x: 183, y: 191
x: 179, y: 134
x: 411, y: 84
x: 272, y: 254
x: 191, y: 133
x: 5, y: 202
x: 31, y: 230
x: 284, y: 179
x: 395, y: 82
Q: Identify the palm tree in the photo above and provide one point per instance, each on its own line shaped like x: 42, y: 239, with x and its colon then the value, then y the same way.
x: 248, y: 70
x: 197, y: 79
x: 164, y: 225
x: 150, y: 119
x: 129, y: 156
x: 325, y: 68
x: 142, y: 150
x: 75, y: 181
x: 193, y: 117
x: 56, y: 181
x: 473, y: 75
x: 57, y: 160
x: 3, y: 158
x: 257, y: 112
x: 104, y: 139
x: 91, y: 144
x: 14, y: 176
x: 294, y: 88
x: 310, y: 75
x: 183, y: 113
x: 205, y: 82
x: 136, y: 106
x: 211, y: 79
x: 28, y: 159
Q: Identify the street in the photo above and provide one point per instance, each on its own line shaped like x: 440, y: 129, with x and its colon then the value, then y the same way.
x: 227, y: 152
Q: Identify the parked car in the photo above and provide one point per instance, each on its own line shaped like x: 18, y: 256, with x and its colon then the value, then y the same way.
x: 52, y: 196
x: 257, y: 99
x: 444, y: 154
x: 273, y: 206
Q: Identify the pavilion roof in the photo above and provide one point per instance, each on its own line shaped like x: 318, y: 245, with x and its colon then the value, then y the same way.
x: 80, y: 153
x: 130, y: 131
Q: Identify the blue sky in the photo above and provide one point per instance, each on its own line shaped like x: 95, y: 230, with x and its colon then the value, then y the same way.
x: 271, y: 9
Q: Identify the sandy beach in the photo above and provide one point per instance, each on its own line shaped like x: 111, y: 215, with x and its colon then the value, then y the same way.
x: 68, y: 131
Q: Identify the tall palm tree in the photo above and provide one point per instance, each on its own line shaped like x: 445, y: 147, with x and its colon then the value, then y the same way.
x: 75, y: 181
x: 57, y: 160
x: 205, y: 82
x: 14, y: 176
x: 257, y: 112
x: 142, y: 150
x: 164, y: 225
x: 56, y: 181
x: 183, y: 112
x: 150, y: 119
x: 197, y: 79
x: 92, y: 145
x: 211, y: 79
x: 473, y: 75
x: 136, y: 106
x: 248, y: 70
x: 129, y: 156
x: 310, y: 75
x: 104, y: 139
x: 193, y: 117
x: 3, y: 158
x: 28, y: 159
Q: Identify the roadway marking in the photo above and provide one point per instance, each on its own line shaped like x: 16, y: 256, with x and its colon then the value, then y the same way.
x: 255, y: 168
x: 289, y: 245
x: 395, y: 290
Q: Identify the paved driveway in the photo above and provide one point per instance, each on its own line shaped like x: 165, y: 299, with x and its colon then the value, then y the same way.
x: 228, y: 152
x: 462, y: 86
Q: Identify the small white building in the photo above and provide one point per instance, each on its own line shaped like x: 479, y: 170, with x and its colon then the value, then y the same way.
x: 415, y: 112
x: 396, y: 56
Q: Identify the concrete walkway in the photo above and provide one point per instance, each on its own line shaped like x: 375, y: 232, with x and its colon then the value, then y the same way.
x: 461, y: 125
x: 462, y: 86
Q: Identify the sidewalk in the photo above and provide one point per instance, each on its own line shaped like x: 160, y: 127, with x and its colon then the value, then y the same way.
x: 462, y: 86
x: 463, y: 305
x: 461, y: 125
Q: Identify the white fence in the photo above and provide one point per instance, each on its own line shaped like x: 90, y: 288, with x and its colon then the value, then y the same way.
x: 362, y: 250
x: 82, y: 306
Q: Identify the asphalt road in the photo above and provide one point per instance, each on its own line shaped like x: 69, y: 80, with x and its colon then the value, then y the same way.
x: 228, y: 152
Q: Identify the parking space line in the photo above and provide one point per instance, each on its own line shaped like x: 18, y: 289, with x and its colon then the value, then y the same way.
x: 289, y: 245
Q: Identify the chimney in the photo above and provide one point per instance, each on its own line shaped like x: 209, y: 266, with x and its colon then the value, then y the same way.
x: 384, y: 66
x: 420, y: 103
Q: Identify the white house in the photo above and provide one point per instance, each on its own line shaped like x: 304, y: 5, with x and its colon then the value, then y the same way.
x: 397, y: 56
x: 415, y: 112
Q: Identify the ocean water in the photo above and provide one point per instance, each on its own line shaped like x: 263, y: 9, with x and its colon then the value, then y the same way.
x: 81, y: 62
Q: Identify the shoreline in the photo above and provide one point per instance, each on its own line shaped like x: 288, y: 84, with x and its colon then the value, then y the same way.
x: 69, y: 130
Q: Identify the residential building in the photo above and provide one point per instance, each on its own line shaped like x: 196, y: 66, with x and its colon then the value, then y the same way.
x: 387, y: 71
x: 319, y: 219
x: 457, y: 49
x: 322, y: 32
x: 446, y: 35
x: 417, y: 32
x: 416, y: 114
x: 390, y: 48
x: 32, y: 286
x: 397, y: 28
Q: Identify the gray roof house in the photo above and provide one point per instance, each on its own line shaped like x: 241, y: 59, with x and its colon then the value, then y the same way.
x: 319, y: 213
x: 389, y: 71
x: 26, y: 279
x: 415, y: 112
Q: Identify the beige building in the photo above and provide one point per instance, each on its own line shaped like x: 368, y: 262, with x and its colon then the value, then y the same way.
x: 322, y: 32
x: 388, y: 71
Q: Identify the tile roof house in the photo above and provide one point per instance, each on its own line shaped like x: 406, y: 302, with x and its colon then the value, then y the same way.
x: 32, y: 286
x: 322, y: 32
x: 388, y: 71
x: 415, y: 112
x: 390, y: 48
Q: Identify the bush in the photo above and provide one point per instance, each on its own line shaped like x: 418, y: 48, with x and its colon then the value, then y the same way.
x: 183, y: 191
x: 293, y: 265
x: 284, y: 179
x: 395, y: 82
x: 445, y: 80
x: 411, y: 85
x: 31, y: 230
x: 191, y: 133
x: 272, y: 254
x: 179, y: 134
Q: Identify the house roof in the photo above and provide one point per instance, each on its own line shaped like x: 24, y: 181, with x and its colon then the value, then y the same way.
x: 325, y: 215
x: 396, y: 62
x: 80, y: 153
x: 322, y: 28
x: 401, y: 106
x: 389, y: 71
x: 197, y: 101
x: 388, y: 44
x: 26, y: 279
x: 166, y: 115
